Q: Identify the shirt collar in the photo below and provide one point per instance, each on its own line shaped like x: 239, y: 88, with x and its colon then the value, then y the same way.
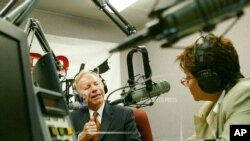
x: 100, y: 111
x: 216, y: 106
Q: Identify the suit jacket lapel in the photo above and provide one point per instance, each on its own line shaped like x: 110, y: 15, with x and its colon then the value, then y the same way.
x: 107, y: 119
x: 205, y: 119
x: 86, y: 116
x: 212, y: 122
x: 82, y: 119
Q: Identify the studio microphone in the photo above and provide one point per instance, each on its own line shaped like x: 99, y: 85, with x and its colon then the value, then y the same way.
x: 142, y: 94
x: 73, y: 106
x: 183, y: 19
x: 76, y: 105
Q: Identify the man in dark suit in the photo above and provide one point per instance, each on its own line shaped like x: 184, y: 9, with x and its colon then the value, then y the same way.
x: 113, y: 123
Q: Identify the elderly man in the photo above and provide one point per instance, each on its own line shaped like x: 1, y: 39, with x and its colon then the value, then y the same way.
x: 99, y: 120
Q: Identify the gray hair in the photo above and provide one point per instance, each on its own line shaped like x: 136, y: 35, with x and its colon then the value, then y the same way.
x: 80, y: 75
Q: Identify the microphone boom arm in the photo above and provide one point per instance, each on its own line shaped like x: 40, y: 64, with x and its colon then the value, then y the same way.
x: 184, y: 19
x: 35, y: 26
x: 8, y: 7
x: 147, y: 69
x: 119, y: 20
x: 18, y: 15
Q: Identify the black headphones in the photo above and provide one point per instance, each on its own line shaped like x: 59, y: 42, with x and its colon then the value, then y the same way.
x: 104, y: 83
x: 77, y: 94
x: 208, y: 79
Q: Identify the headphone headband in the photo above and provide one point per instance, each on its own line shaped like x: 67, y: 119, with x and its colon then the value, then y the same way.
x: 208, y: 79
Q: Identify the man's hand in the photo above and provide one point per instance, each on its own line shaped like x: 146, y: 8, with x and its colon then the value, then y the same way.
x: 89, y: 131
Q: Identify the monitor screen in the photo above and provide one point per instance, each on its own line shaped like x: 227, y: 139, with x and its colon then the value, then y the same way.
x: 18, y: 119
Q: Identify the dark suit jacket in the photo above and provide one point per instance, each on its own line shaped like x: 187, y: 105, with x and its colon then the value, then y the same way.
x: 116, y: 119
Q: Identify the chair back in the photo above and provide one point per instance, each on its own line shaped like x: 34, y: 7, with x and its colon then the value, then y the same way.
x: 142, y: 124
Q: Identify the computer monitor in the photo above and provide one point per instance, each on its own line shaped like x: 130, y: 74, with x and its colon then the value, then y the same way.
x: 19, y: 118
x: 29, y: 113
x: 45, y: 74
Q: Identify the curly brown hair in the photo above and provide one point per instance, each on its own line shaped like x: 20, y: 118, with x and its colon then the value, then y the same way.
x: 219, y: 55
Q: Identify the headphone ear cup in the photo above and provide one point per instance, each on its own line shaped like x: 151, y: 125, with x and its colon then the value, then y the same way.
x: 78, y: 98
x: 77, y: 94
x: 208, y: 80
